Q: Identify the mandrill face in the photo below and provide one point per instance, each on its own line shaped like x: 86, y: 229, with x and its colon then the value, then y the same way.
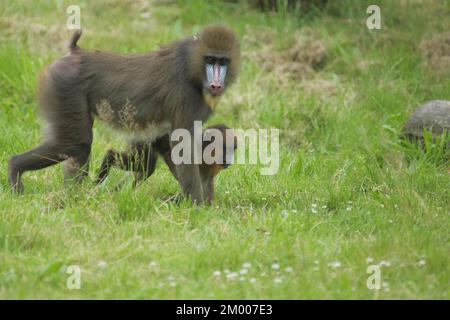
x: 216, y: 66
x: 215, y: 60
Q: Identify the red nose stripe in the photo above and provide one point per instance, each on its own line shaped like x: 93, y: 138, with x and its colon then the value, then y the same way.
x: 216, y: 75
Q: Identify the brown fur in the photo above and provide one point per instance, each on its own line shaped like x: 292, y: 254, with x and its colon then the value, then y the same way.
x: 146, y: 95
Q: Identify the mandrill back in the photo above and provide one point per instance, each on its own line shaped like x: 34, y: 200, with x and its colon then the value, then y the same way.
x: 132, y: 92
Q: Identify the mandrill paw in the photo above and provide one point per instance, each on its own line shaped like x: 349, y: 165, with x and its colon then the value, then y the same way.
x: 17, y: 188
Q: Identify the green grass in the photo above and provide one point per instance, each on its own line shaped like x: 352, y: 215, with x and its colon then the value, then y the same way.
x: 347, y: 189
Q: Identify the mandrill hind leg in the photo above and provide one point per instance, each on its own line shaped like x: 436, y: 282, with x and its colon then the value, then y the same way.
x: 45, y: 155
x: 77, y: 168
x: 70, y: 140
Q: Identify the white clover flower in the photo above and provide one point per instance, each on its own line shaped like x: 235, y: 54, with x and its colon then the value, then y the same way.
x: 289, y: 270
x: 247, y: 265
x: 232, y: 275
x: 152, y: 264
x: 385, y: 263
x: 252, y: 280
x: 217, y: 273
x: 102, y: 264
x: 278, y: 280
x: 335, y: 264
x: 276, y: 266
x: 243, y: 271
x: 422, y: 263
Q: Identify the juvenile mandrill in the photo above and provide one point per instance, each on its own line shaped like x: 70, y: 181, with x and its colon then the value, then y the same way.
x: 144, y: 95
x: 141, y: 158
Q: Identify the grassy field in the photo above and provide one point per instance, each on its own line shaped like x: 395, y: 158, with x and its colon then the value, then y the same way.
x: 348, y: 193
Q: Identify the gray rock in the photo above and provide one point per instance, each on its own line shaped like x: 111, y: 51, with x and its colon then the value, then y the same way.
x: 433, y: 115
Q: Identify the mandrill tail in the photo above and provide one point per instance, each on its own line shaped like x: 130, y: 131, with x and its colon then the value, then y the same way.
x: 73, y: 42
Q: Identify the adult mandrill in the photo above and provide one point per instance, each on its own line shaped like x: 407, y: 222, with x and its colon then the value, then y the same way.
x: 145, y: 95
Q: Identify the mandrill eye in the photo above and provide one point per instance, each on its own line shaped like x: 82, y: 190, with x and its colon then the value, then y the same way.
x: 224, y: 61
x: 209, y: 60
